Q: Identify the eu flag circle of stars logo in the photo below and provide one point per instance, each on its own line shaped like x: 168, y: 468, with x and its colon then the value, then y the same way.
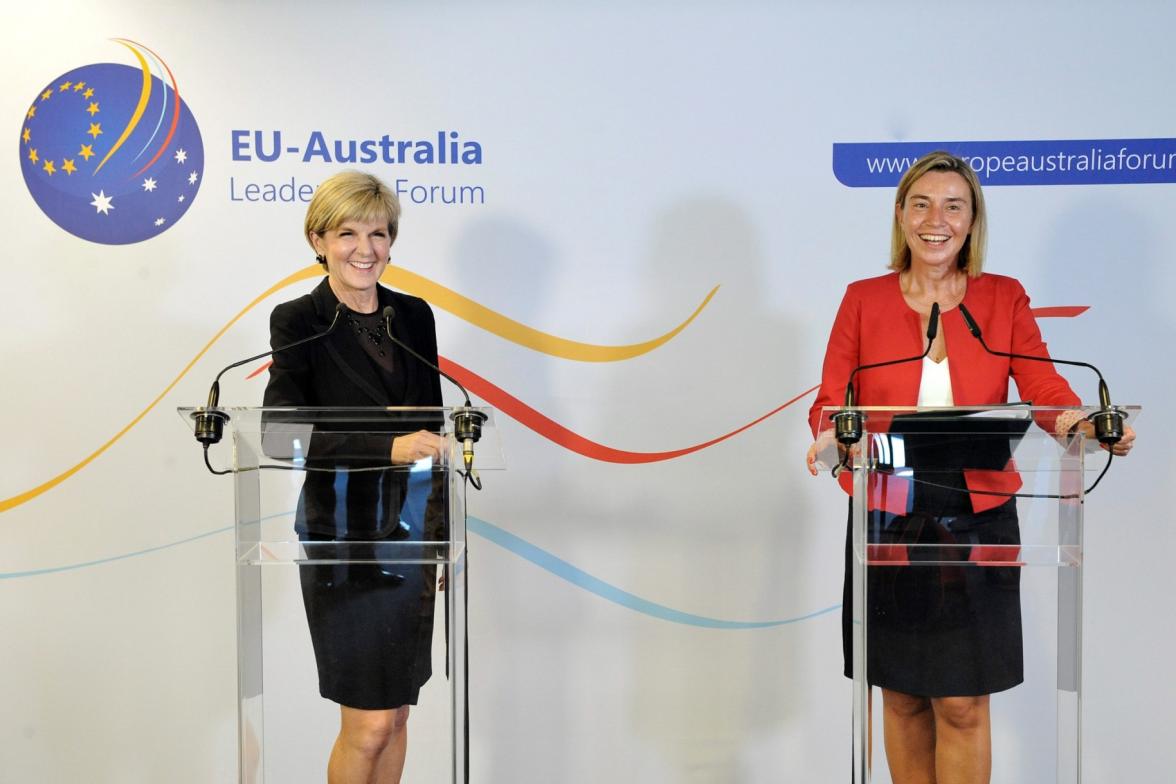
x: 110, y: 152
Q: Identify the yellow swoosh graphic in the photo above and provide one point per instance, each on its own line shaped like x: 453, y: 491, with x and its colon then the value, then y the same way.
x: 504, y: 327
x: 440, y: 296
x: 28, y: 495
x: 144, y: 96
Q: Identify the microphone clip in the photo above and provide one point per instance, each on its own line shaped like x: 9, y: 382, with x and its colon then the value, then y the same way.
x: 467, y: 424
x: 210, y: 425
x: 1108, y: 420
x: 1108, y: 425
x: 210, y: 420
x: 847, y: 426
x: 847, y: 423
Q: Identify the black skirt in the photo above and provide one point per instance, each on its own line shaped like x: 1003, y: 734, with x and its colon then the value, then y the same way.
x: 942, y: 630
x: 371, y: 626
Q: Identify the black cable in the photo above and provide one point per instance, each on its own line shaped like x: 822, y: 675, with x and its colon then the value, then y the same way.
x: 842, y: 464
x: 471, y: 478
x: 1110, y: 457
x: 1064, y: 497
x: 209, y: 465
x: 307, y: 469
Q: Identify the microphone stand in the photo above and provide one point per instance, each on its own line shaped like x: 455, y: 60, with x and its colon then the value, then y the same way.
x: 847, y: 424
x: 467, y: 421
x: 210, y: 420
x: 1108, y: 420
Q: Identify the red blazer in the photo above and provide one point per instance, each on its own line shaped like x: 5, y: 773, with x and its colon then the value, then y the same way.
x: 874, y: 324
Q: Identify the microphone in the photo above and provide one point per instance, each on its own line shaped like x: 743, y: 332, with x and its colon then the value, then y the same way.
x: 848, y: 424
x: 467, y: 422
x: 210, y: 421
x: 1108, y: 420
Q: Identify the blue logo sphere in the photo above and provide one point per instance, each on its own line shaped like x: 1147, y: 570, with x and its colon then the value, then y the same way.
x: 111, y: 153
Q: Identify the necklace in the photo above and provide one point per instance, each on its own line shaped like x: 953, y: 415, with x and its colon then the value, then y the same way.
x: 369, y: 329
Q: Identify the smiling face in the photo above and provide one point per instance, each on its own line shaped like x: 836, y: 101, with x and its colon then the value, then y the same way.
x: 356, y: 253
x: 936, y: 218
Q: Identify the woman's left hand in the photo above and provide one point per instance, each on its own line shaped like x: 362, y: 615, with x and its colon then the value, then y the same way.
x: 1118, y: 449
x: 416, y: 446
x: 1124, y: 444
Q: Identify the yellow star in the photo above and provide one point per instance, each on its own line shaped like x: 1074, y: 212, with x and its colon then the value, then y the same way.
x: 86, y: 151
x: 68, y: 167
x: 25, y: 136
x: 48, y: 167
x: 79, y: 86
x: 95, y: 129
x: 32, y: 112
x: 33, y: 155
x: 92, y: 108
x: 45, y: 96
x: 64, y: 87
x: 89, y: 92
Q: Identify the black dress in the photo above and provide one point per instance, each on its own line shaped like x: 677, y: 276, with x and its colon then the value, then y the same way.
x: 371, y: 624
x: 943, y: 630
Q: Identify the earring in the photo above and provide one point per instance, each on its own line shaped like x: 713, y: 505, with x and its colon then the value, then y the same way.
x: 320, y: 258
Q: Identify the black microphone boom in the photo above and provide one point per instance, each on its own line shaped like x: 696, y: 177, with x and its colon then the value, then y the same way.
x: 847, y: 424
x: 1108, y: 420
x: 467, y: 422
x: 210, y: 421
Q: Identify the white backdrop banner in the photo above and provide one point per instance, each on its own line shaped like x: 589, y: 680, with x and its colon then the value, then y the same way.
x: 634, y: 223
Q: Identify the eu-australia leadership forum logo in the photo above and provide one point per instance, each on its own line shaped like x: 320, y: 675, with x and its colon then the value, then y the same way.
x: 111, y: 152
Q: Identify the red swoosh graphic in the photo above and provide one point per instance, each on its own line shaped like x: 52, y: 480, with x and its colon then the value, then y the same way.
x: 557, y: 433
x: 1060, y: 311
x: 553, y: 431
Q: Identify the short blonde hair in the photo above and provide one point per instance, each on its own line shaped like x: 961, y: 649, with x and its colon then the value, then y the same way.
x: 971, y: 257
x: 351, y: 195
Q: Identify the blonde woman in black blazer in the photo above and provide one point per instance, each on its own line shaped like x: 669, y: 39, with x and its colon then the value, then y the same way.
x: 371, y: 627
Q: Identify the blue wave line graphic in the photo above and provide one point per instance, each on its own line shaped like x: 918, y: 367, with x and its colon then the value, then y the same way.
x: 512, y: 543
x: 581, y: 579
x: 111, y: 559
x: 124, y: 556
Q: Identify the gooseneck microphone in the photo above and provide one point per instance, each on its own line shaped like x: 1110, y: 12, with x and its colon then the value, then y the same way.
x: 210, y: 421
x: 467, y: 422
x: 847, y: 424
x: 1108, y: 420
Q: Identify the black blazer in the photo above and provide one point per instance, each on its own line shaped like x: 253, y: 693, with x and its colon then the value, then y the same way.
x: 335, y: 371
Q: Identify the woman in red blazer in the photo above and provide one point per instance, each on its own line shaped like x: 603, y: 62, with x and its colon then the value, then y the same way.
x: 937, y: 667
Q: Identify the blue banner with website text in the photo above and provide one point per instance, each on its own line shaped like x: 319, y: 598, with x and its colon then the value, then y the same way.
x: 1039, y: 162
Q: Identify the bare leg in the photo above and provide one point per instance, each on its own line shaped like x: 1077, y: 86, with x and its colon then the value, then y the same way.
x: 963, y: 732
x: 390, y: 765
x: 908, y: 732
x: 364, y: 738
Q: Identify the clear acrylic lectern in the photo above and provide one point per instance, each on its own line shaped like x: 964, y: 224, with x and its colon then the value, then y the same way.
x: 338, y: 461
x: 966, y: 560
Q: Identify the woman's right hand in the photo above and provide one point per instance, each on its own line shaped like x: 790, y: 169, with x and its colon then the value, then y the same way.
x: 825, y: 442
x: 810, y: 459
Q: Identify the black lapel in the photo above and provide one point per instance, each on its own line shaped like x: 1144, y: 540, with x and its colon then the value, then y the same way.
x: 410, y: 366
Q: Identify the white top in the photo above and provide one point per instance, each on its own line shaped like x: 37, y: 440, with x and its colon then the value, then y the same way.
x: 935, y: 385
